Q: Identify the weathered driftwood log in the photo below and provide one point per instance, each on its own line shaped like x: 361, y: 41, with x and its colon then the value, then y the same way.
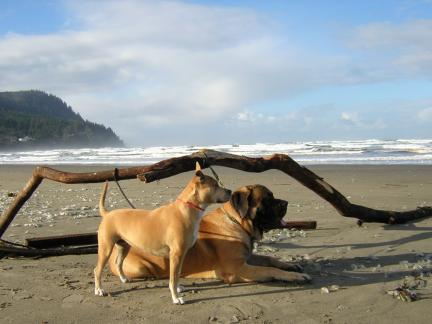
x: 6, y: 250
x: 301, y: 225
x: 178, y: 165
x: 287, y: 165
x: 62, y: 240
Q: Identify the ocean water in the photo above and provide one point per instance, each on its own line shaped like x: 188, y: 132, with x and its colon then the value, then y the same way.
x: 372, y: 151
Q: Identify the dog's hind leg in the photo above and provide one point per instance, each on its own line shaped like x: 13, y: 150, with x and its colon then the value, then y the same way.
x: 123, y: 249
x: 105, y: 247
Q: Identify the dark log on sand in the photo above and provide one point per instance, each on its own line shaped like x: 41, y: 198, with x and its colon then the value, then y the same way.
x: 12, y: 251
x: 91, y: 238
x: 301, y: 225
x: 185, y: 163
x: 62, y: 240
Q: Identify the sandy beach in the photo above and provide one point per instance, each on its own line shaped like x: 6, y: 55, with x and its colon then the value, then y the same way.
x: 363, y: 262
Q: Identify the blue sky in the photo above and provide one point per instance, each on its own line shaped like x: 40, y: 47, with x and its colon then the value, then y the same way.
x: 213, y: 72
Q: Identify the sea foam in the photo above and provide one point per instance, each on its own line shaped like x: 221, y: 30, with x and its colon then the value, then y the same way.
x: 372, y: 151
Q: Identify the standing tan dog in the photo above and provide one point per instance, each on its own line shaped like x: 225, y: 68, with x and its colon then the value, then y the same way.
x: 224, y: 246
x: 168, y: 231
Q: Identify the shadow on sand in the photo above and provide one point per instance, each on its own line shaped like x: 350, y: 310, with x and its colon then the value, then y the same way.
x: 344, y: 272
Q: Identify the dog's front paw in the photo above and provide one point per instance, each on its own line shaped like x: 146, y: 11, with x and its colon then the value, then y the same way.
x: 100, y: 292
x: 178, y: 301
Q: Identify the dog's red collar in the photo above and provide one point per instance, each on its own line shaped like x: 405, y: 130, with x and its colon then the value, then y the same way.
x: 191, y: 204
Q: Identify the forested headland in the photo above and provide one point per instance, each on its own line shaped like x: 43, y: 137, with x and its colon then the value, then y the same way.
x: 37, y: 120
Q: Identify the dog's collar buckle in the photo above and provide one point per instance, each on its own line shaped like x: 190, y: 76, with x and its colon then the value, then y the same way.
x: 191, y: 204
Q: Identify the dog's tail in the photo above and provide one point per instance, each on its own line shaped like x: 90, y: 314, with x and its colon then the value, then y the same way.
x: 102, y: 210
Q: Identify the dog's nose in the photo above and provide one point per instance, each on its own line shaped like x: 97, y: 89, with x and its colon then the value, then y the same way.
x: 228, y: 192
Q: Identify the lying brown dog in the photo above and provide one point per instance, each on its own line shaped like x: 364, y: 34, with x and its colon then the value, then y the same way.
x: 224, y: 246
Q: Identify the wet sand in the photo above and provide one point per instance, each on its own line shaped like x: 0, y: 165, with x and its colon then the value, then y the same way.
x: 364, y: 262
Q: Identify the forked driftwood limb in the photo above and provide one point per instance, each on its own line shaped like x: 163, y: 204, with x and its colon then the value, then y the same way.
x: 185, y: 163
x: 287, y: 165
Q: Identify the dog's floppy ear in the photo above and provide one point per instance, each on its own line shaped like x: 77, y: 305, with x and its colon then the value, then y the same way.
x: 240, y: 202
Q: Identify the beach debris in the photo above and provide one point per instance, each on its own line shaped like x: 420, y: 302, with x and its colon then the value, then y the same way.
x: 377, y: 268
x: 255, y: 247
x: 270, y: 249
x: 404, y: 264
x: 334, y: 288
x: 11, y: 194
x: 407, y: 291
x: 293, y: 229
x: 328, y: 290
x: 341, y: 307
x: 325, y: 290
x: 356, y: 267
x: 307, y: 257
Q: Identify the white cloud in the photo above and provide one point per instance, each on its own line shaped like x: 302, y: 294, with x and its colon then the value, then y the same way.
x: 143, y: 67
x: 396, y: 50
x: 349, y: 117
x: 170, y: 63
x: 251, y: 117
x: 425, y: 115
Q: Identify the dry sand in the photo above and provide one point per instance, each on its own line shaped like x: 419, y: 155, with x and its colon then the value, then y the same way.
x: 364, y: 262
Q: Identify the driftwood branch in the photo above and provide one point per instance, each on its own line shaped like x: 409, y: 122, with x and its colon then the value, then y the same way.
x: 287, y: 165
x: 185, y: 163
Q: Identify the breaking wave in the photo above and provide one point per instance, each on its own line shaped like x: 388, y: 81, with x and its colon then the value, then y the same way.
x: 401, y: 151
